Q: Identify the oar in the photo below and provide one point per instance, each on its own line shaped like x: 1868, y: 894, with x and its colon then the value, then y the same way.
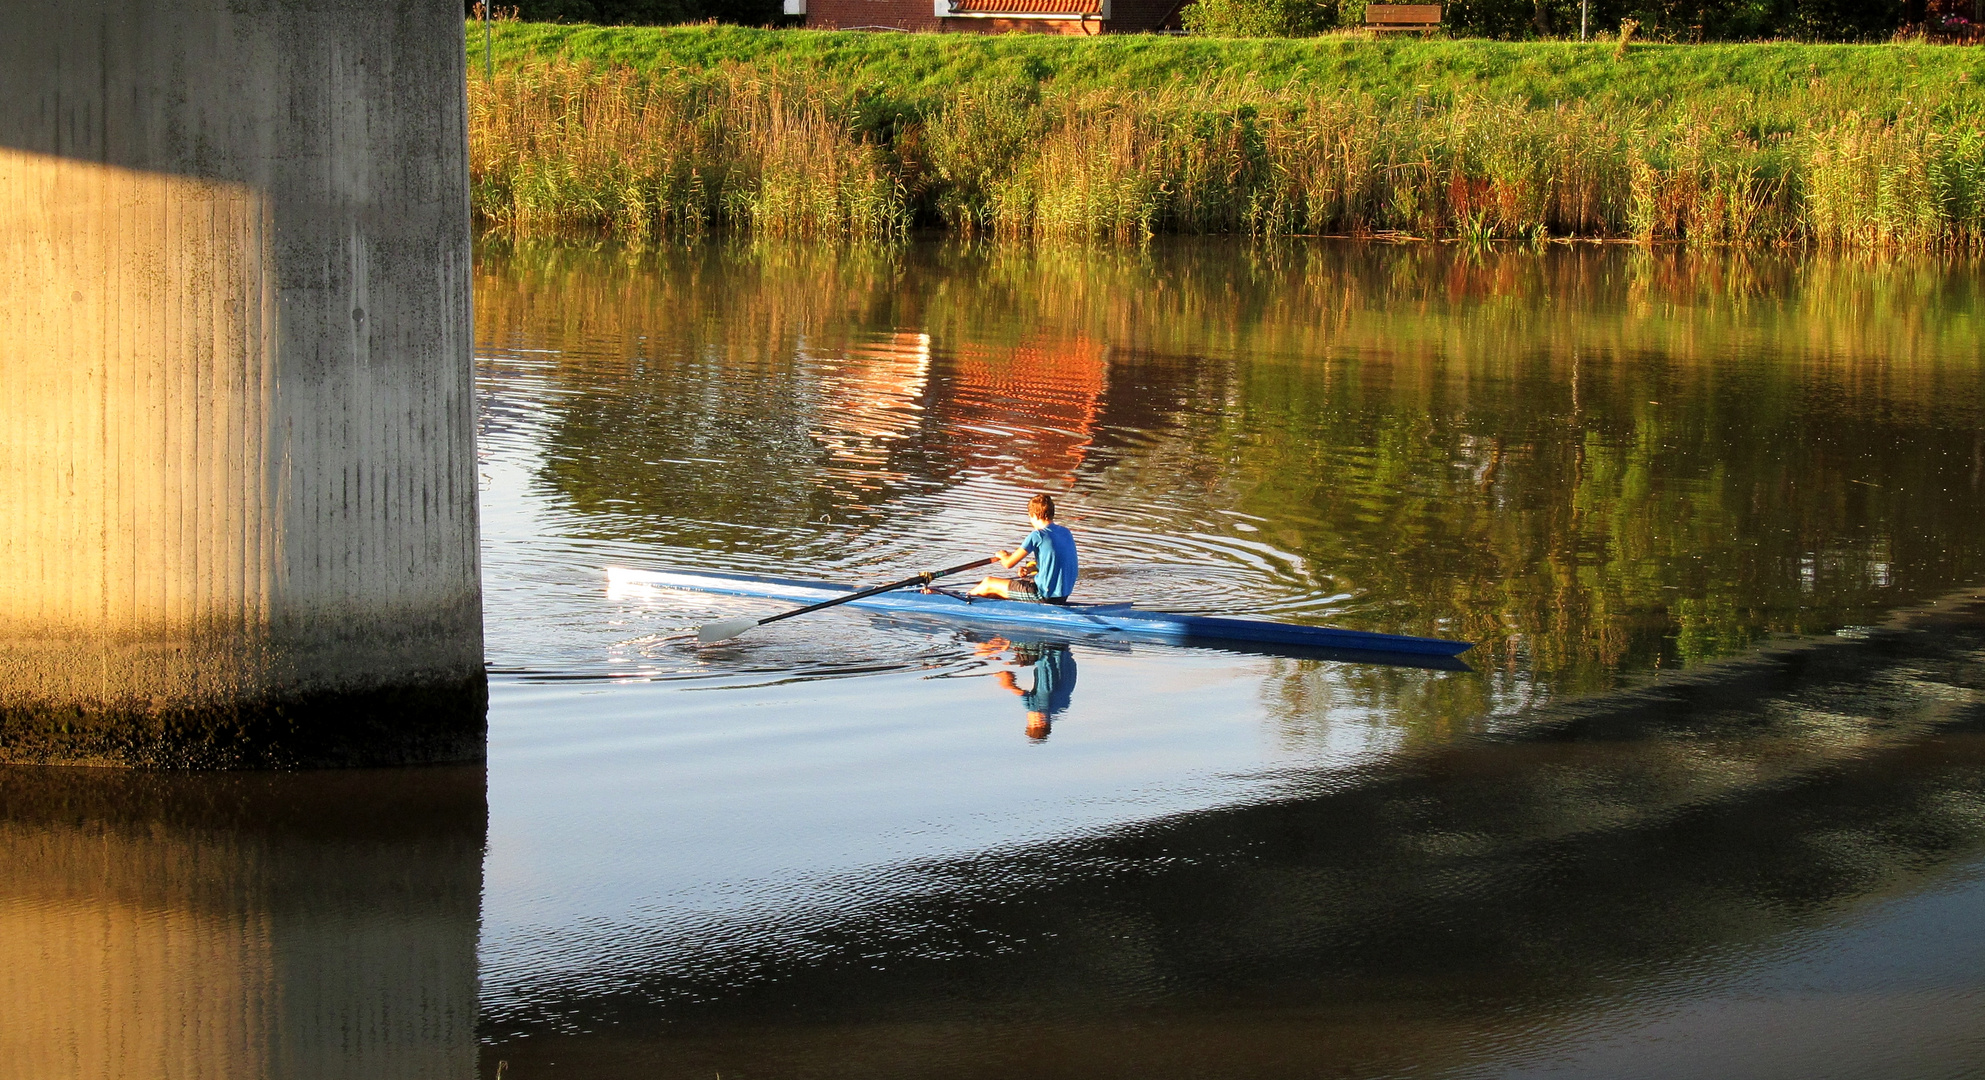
x: 730, y: 628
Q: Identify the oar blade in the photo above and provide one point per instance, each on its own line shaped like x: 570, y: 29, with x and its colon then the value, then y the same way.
x: 711, y: 633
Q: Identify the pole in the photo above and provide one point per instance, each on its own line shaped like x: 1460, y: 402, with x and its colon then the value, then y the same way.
x: 1584, y: 7
x: 488, y: 65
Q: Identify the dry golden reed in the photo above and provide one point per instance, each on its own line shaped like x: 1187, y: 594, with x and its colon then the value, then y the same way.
x: 561, y: 147
x: 564, y: 147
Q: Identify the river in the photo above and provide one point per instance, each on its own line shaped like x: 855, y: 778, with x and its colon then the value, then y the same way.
x: 1710, y: 801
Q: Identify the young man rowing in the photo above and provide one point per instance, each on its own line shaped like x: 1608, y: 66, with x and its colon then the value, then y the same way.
x: 1053, y: 549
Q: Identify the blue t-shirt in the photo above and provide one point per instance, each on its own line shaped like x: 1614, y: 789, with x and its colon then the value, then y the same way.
x: 1054, y: 681
x: 1053, y: 549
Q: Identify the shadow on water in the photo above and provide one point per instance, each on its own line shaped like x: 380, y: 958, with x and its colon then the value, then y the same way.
x: 1453, y: 907
x: 240, y: 924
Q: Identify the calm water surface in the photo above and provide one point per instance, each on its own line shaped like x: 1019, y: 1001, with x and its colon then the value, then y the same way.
x: 1711, y: 802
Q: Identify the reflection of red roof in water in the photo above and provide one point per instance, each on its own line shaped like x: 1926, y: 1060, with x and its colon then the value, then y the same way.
x: 1026, y: 411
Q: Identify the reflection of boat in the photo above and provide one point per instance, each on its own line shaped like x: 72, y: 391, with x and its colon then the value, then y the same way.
x: 1084, y: 619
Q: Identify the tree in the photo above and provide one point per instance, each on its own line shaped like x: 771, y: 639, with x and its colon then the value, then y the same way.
x: 1687, y: 20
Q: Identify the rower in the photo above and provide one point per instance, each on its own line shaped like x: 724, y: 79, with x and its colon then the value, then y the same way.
x: 1052, y: 547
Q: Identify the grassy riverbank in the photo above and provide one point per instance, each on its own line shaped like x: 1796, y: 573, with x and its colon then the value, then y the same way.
x: 654, y: 132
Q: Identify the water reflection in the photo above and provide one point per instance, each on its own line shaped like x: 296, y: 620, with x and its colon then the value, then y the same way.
x: 241, y: 924
x: 1752, y: 831
x: 1602, y: 466
x: 1052, y: 667
x: 1588, y: 461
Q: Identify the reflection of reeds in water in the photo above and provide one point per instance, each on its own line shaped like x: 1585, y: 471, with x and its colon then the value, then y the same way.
x: 561, y: 146
x: 1583, y: 460
x: 719, y: 384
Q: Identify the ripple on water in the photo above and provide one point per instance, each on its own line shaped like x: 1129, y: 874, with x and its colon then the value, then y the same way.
x: 867, y: 459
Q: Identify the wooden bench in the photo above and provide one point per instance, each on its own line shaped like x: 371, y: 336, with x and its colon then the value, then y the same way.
x: 1385, y: 18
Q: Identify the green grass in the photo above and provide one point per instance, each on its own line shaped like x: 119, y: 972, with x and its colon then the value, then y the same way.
x: 923, y: 69
x: 661, y: 131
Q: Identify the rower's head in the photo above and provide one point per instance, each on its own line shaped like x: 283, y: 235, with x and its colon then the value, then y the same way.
x: 1041, y: 508
x: 1038, y: 727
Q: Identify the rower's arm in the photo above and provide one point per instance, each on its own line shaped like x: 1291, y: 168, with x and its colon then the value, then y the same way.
x: 1011, y: 559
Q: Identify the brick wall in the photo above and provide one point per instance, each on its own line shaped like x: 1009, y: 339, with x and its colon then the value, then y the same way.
x: 846, y: 14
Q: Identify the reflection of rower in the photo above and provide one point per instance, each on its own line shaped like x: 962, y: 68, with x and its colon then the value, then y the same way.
x: 1054, y: 682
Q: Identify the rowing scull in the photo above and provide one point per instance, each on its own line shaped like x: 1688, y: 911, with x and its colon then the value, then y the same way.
x: 1106, y: 619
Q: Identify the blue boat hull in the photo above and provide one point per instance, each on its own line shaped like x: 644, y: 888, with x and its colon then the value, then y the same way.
x: 1122, y: 620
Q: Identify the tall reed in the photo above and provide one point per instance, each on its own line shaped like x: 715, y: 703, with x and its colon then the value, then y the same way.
x: 1908, y: 182
x: 561, y: 146
x: 570, y: 146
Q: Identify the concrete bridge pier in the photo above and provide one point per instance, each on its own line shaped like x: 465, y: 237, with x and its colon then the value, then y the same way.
x: 237, y: 460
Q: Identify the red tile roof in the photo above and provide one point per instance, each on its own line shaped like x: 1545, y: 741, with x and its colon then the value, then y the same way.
x: 1021, y: 9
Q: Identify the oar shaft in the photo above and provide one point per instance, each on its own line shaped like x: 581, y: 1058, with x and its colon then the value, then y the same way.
x: 927, y: 576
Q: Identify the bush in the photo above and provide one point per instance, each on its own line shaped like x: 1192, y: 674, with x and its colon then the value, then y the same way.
x: 1678, y: 20
x: 1260, y: 18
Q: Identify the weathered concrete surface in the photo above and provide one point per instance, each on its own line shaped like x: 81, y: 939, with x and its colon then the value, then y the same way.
x: 237, y: 474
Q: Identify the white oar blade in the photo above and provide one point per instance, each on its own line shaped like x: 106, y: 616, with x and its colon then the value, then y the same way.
x: 710, y: 633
